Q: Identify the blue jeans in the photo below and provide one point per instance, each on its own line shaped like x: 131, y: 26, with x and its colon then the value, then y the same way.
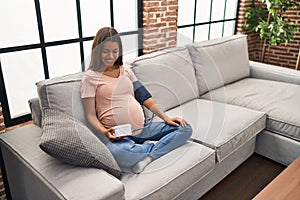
x: 131, y: 150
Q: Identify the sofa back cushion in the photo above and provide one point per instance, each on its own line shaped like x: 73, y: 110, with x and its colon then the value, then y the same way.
x: 63, y: 93
x: 168, y: 75
x: 220, y: 61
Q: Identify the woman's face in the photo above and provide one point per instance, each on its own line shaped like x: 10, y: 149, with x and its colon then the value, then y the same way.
x: 109, y: 53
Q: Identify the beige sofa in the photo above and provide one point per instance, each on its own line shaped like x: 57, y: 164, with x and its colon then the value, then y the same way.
x: 234, y: 106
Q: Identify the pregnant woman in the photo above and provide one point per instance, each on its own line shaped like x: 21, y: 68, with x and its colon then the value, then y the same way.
x: 112, y: 95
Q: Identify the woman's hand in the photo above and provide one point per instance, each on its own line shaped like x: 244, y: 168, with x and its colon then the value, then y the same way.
x: 110, y: 133
x: 155, y: 108
x: 175, y: 121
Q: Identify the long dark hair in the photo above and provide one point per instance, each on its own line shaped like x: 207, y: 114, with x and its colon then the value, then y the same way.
x: 103, y: 35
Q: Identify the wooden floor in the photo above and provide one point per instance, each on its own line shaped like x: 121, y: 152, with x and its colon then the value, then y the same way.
x: 246, y: 181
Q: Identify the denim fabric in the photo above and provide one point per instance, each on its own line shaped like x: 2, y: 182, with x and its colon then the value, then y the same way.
x: 131, y: 150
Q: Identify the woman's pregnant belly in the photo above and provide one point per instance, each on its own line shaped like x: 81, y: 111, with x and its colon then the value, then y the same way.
x: 124, y: 111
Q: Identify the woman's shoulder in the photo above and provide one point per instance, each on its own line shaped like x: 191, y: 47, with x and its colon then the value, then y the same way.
x: 90, y: 72
x: 91, y: 76
x: 128, y: 71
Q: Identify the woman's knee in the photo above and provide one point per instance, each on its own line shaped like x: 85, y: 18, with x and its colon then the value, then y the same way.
x: 186, y: 131
x: 189, y: 129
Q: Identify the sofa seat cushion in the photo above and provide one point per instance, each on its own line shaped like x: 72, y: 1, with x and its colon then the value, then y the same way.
x: 169, y: 75
x: 219, y: 126
x: 171, y: 174
x: 279, y: 100
x: 25, y: 161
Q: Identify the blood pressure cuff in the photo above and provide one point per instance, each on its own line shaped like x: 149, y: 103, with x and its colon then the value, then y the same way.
x: 140, y: 92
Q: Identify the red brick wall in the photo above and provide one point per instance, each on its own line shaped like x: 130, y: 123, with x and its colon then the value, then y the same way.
x: 285, y: 56
x: 2, y: 130
x: 159, y: 24
x: 2, y: 125
x: 253, y: 38
x: 160, y: 31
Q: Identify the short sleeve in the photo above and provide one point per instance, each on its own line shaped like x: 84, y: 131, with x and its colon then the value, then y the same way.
x: 88, y: 86
x: 130, y: 73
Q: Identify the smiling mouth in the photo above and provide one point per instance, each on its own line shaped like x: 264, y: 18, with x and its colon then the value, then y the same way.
x: 110, y: 61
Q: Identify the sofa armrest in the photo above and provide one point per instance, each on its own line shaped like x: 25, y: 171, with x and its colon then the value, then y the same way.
x: 273, y: 72
x: 33, y: 174
x: 36, y: 112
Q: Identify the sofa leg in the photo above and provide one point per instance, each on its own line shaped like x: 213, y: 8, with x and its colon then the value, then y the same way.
x: 4, y: 177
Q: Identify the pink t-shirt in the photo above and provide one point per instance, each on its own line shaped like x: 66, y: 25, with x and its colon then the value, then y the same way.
x: 115, y: 102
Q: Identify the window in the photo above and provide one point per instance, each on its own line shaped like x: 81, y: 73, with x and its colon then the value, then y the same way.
x: 21, y: 69
x: 54, y: 38
x: 204, y: 20
x: 59, y: 15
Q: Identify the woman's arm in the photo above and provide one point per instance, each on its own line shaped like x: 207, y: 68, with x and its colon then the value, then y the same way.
x: 90, y: 113
x: 151, y: 104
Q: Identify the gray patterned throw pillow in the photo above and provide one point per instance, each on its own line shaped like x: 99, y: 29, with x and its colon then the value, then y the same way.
x: 69, y: 140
